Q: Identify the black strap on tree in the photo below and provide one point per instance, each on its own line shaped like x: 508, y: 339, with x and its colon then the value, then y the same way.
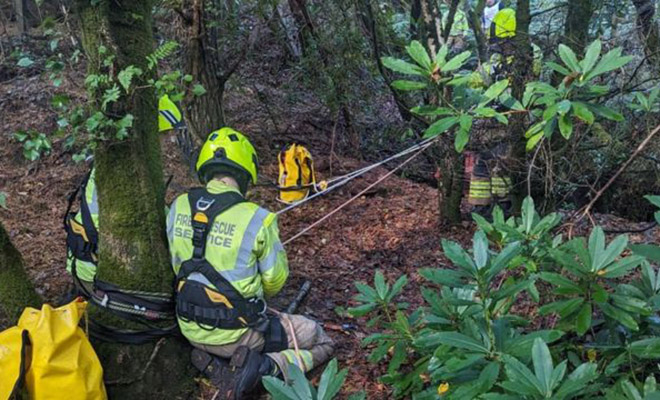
x: 74, y: 194
x: 192, y: 302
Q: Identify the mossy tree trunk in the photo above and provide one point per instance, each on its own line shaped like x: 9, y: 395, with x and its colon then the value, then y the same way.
x: 16, y: 290
x: 522, y: 72
x: 576, y: 26
x: 648, y: 30
x: 133, y: 247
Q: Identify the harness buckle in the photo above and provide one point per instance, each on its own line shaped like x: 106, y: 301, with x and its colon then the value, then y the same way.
x: 256, y: 300
x: 203, y: 204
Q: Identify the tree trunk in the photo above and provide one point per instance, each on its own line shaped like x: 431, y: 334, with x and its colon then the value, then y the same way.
x: 432, y: 25
x: 474, y: 19
x: 367, y: 17
x: 576, y: 26
x: 133, y: 247
x: 304, y: 23
x: 16, y: 290
x: 453, y: 7
x: 288, y: 25
x: 648, y: 30
x: 21, y: 17
x: 522, y: 70
x: 415, y: 17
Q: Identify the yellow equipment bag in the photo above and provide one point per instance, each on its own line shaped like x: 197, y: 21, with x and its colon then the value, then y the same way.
x: 297, y: 175
x: 50, y: 356
x: 505, y: 23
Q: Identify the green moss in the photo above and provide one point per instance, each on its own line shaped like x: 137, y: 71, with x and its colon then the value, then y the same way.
x: 16, y: 290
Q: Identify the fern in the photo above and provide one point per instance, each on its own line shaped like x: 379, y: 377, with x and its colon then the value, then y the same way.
x: 164, y: 50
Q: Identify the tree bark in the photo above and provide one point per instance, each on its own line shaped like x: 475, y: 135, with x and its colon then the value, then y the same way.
x: 648, y: 30
x: 368, y: 19
x: 133, y: 246
x: 522, y: 70
x: 432, y: 25
x: 16, y: 290
x: 451, y: 15
x: 576, y: 26
x: 474, y: 20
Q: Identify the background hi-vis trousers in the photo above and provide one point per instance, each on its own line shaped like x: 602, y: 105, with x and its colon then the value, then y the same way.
x: 315, y: 345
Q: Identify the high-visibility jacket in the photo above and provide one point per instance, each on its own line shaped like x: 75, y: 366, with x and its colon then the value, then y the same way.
x: 86, y: 270
x: 243, y: 246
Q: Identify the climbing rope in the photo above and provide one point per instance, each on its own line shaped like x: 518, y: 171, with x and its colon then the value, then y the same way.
x: 341, y: 180
x: 420, y: 150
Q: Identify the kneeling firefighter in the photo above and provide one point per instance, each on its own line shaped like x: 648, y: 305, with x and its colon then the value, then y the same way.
x: 227, y: 257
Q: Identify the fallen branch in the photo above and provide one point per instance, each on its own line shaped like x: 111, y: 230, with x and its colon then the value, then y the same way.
x: 585, y: 210
x: 302, y: 293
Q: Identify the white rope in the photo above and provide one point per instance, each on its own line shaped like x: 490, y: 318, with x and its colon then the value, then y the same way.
x: 344, y: 179
x: 382, y: 178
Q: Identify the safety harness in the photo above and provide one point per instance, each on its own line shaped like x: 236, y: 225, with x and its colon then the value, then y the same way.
x: 224, y: 308
x: 81, y: 239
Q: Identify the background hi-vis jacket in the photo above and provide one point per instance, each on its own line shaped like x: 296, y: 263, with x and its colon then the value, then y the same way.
x: 86, y: 270
x: 243, y: 245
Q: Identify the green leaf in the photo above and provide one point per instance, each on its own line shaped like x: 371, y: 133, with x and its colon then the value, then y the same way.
x: 125, y: 76
x: 565, y: 126
x: 577, y: 380
x: 444, y: 277
x: 401, y: 66
x: 619, y: 315
x: 610, y: 61
x: 463, y: 135
x: 361, y: 311
x: 622, y: 267
x: 563, y: 107
x: 562, y: 307
x: 418, y: 53
x: 3, y: 200
x: 408, y: 85
x: 582, y: 112
x: 455, y: 253
x: 453, y: 339
x: 331, y: 381
x: 591, y: 56
x: 613, y: 250
x: 432, y: 111
x: 110, y: 96
x: 380, y: 285
x: 278, y: 389
x: 503, y: 259
x: 542, y: 361
x: 584, y: 319
x: 650, y: 251
x: 596, y: 245
x: 494, y: 91
x: 533, y: 141
x: 440, y: 126
x: 25, y: 62
x: 198, y: 90
x: 480, y: 249
x: 568, y: 57
x: 517, y: 372
x: 528, y: 214
x: 456, y: 62
x: 396, y: 288
x: 558, y: 68
x: 606, y: 112
x: 646, y: 348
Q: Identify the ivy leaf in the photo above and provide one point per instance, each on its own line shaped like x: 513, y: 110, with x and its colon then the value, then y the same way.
x: 25, y: 62
x: 110, y: 96
x: 125, y: 76
x: 198, y: 90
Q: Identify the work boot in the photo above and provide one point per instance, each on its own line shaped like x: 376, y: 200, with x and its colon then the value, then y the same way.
x: 248, y: 367
x: 214, y: 368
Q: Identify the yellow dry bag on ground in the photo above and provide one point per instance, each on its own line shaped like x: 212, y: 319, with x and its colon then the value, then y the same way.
x: 48, y: 356
x: 297, y: 176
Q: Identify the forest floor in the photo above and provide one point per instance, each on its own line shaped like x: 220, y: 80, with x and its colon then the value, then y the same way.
x: 393, y: 227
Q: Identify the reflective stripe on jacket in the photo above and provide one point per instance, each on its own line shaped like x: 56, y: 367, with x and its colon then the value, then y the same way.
x: 86, y: 270
x: 243, y: 245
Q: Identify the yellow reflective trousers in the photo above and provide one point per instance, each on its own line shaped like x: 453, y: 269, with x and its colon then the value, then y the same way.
x: 48, y: 355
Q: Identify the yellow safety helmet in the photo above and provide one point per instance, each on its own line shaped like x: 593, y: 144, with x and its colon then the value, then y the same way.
x: 505, y: 23
x: 228, y: 151
x: 169, y: 115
